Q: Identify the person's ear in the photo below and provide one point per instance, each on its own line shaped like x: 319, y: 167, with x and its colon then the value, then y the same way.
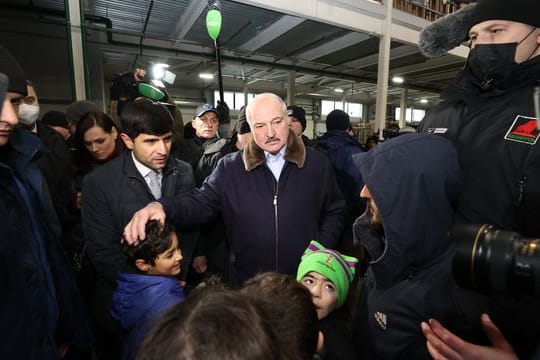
x: 114, y: 132
x: 142, y: 265
x: 127, y: 140
x: 320, y: 342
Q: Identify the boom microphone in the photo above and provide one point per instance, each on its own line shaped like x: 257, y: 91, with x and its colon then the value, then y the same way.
x: 446, y: 33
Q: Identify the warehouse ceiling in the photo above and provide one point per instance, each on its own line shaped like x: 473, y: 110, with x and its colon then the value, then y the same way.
x: 261, y: 49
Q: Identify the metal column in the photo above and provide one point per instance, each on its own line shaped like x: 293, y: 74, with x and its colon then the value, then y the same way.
x: 403, y: 107
x: 76, y: 42
x: 382, y: 73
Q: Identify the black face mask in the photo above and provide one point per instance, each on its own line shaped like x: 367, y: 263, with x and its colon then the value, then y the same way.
x: 492, y: 65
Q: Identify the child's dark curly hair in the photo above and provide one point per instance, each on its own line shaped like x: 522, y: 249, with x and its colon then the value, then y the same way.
x: 158, y: 239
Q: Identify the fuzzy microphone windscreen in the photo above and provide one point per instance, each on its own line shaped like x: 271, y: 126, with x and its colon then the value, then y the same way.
x: 446, y: 33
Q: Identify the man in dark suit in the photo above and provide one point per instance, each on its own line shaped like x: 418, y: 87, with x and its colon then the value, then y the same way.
x: 114, y: 191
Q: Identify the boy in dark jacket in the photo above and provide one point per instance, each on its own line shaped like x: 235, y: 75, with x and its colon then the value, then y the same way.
x: 327, y: 275
x: 148, y: 286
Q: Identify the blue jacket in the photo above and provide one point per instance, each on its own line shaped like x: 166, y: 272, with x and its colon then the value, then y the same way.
x: 414, y: 180
x: 269, y: 224
x: 41, y: 308
x: 138, y: 302
x: 340, y: 147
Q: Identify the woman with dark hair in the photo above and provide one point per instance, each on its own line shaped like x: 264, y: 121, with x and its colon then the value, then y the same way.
x: 97, y: 141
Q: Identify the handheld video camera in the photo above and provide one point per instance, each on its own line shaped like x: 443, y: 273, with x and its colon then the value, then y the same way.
x: 493, y: 260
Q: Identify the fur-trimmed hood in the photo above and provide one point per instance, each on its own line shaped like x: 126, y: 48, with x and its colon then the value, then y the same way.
x: 253, y: 155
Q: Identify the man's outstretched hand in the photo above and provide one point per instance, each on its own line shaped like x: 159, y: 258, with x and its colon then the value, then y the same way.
x: 135, y: 229
x: 442, y: 344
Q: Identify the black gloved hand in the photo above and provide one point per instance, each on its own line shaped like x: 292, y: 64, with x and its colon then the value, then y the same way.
x: 224, y: 113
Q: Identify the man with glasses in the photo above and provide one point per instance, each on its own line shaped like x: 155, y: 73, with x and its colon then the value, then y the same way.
x: 274, y: 196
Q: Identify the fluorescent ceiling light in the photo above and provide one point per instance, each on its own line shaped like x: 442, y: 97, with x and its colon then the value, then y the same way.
x: 338, y: 90
x: 313, y: 94
x: 424, y: 101
x: 398, y: 80
x: 206, y: 76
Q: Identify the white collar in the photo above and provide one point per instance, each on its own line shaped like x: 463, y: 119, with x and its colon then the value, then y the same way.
x: 280, y: 154
x: 141, y: 168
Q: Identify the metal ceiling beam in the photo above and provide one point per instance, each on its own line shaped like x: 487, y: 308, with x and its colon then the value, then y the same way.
x: 305, y: 79
x: 188, y: 19
x: 364, y: 16
x: 333, y: 46
x: 155, y: 47
x: 430, y: 65
x: 255, y: 76
x: 272, y: 32
x: 395, y: 53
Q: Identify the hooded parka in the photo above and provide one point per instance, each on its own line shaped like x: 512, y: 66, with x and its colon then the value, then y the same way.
x: 414, y: 181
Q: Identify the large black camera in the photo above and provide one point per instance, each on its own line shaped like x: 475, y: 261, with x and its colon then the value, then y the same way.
x: 493, y: 260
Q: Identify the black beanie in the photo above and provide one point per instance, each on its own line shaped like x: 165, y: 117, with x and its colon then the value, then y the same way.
x: 337, y: 120
x: 298, y: 113
x: 55, y: 118
x: 242, y: 126
x: 11, y: 68
x: 522, y: 11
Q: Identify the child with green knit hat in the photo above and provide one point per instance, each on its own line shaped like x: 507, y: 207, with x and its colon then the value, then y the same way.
x: 329, y: 272
x: 327, y: 275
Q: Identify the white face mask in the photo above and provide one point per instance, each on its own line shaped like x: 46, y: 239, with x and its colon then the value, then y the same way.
x: 28, y: 114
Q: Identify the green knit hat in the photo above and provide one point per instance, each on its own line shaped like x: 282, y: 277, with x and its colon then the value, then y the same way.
x: 337, y: 268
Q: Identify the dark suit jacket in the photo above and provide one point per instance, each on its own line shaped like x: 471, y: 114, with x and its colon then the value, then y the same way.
x: 111, y: 194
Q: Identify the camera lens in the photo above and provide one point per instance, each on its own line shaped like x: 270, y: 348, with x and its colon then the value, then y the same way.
x: 493, y: 260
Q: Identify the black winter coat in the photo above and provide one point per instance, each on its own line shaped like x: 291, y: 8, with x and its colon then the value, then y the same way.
x: 340, y: 147
x: 41, y: 308
x: 201, y: 154
x: 338, y: 343
x: 57, y: 168
x: 501, y: 168
x: 495, y: 133
x: 268, y: 223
